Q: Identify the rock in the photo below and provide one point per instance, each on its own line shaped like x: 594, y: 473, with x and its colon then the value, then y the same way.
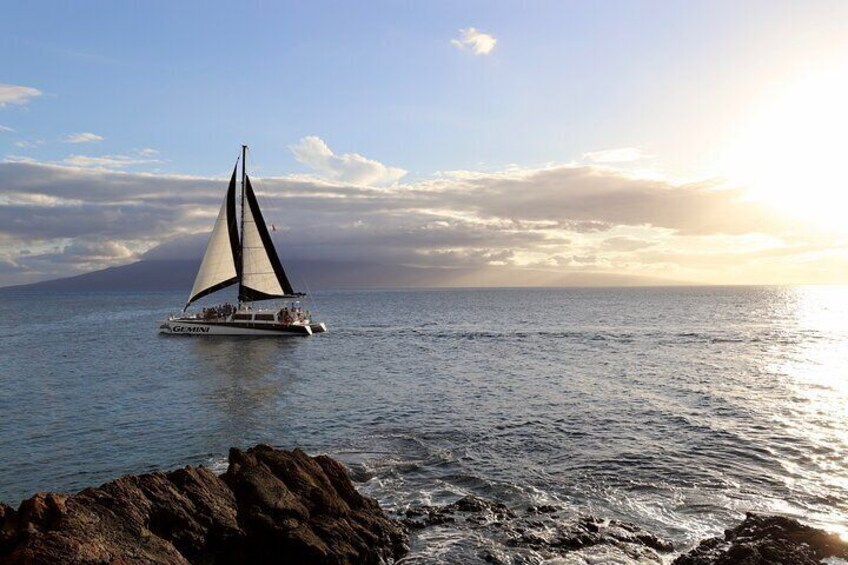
x: 308, y: 510
x: 767, y: 540
x: 269, y: 505
x: 536, y: 532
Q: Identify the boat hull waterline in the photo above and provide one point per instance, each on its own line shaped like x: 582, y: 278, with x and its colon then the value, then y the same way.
x: 203, y: 327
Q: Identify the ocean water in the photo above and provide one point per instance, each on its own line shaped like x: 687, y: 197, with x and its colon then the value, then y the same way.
x: 677, y: 409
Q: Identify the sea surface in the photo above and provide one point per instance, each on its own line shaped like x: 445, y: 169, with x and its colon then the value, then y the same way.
x: 677, y: 409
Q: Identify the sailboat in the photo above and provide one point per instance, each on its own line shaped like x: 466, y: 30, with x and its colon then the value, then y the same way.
x: 240, y: 251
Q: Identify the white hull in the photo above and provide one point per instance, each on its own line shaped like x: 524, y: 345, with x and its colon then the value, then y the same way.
x: 179, y: 326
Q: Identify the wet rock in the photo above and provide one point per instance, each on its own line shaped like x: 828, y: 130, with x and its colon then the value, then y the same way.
x: 492, y: 557
x: 537, y: 532
x: 469, y: 509
x: 762, y: 540
x: 473, y: 503
x: 588, y: 531
x: 269, y: 504
x: 491, y: 532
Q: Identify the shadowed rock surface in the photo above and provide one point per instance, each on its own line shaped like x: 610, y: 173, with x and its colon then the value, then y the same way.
x: 270, y: 506
x: 767, y: 540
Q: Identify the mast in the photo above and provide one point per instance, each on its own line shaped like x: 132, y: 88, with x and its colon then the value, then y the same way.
x: 241, y: 222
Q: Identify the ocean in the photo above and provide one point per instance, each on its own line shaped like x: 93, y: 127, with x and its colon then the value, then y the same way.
x: 676, y: 409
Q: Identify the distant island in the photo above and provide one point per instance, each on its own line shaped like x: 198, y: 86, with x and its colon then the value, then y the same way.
x: 178, y: 274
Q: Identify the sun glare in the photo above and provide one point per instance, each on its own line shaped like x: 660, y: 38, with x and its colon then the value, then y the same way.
x: 793, y: 154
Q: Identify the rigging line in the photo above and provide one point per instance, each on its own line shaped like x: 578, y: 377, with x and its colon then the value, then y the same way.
x: 310, y: 296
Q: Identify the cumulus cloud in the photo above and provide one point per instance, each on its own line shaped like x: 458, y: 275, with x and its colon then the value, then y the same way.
x: 83, y: 137
x: 18, y: 95
x: 313, y: 152
x: 477, y: 41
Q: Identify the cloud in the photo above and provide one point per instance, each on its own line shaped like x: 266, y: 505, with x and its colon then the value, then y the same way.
x: 79, y: 256
x: 26, y: 144
x: 622, y: 155
x: 6, y: 128
x: 87, y: 252
x: 585, y: 193
x: 313, y: 152
x: 623, y: 243
x: 480, y: 43
x: 565, y: 218
x: 17, y: 95
x: 109, y: 161
x: 84, y: 137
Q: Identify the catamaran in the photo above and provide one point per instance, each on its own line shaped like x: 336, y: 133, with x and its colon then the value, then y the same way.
x: 240, y: 251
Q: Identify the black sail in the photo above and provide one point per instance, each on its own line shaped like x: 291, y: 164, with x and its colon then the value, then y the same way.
x: 261, y: 275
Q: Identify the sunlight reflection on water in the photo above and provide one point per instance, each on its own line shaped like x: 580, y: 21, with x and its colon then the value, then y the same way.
x: 819, y: 369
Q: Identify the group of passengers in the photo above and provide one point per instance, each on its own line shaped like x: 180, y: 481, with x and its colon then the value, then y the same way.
x: 217, y: 312
x: 288, y: 315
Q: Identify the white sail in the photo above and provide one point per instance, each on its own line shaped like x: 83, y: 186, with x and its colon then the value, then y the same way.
x: 262, y: 275
x: 218, y: 269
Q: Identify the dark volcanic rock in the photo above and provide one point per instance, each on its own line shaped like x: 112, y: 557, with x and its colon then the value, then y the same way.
x: 537, y: 532
x: 270, y: 506
x: 767, y: 540
x: 494, y: 533
x: 305, y: 508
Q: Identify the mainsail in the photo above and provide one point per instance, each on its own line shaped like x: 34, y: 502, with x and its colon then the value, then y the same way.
x: 262, y: 274
x: 219, y: 267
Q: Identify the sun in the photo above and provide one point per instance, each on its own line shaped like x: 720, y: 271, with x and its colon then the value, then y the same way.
x: 793, y: 155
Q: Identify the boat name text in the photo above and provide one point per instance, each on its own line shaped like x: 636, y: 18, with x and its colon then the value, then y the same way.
x: 190, y: 329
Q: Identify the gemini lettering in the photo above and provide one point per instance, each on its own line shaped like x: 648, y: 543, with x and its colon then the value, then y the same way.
x: 190, y: 330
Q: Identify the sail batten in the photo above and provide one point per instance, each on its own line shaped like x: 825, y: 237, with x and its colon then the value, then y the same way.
x: 219, y: 268
x: 262, y: 274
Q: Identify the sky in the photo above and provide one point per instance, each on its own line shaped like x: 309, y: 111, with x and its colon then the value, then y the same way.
x: 695, y: 142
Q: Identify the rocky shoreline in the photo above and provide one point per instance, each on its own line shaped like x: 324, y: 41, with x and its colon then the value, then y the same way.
x: 271, y: 506
x: 276, y: 506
